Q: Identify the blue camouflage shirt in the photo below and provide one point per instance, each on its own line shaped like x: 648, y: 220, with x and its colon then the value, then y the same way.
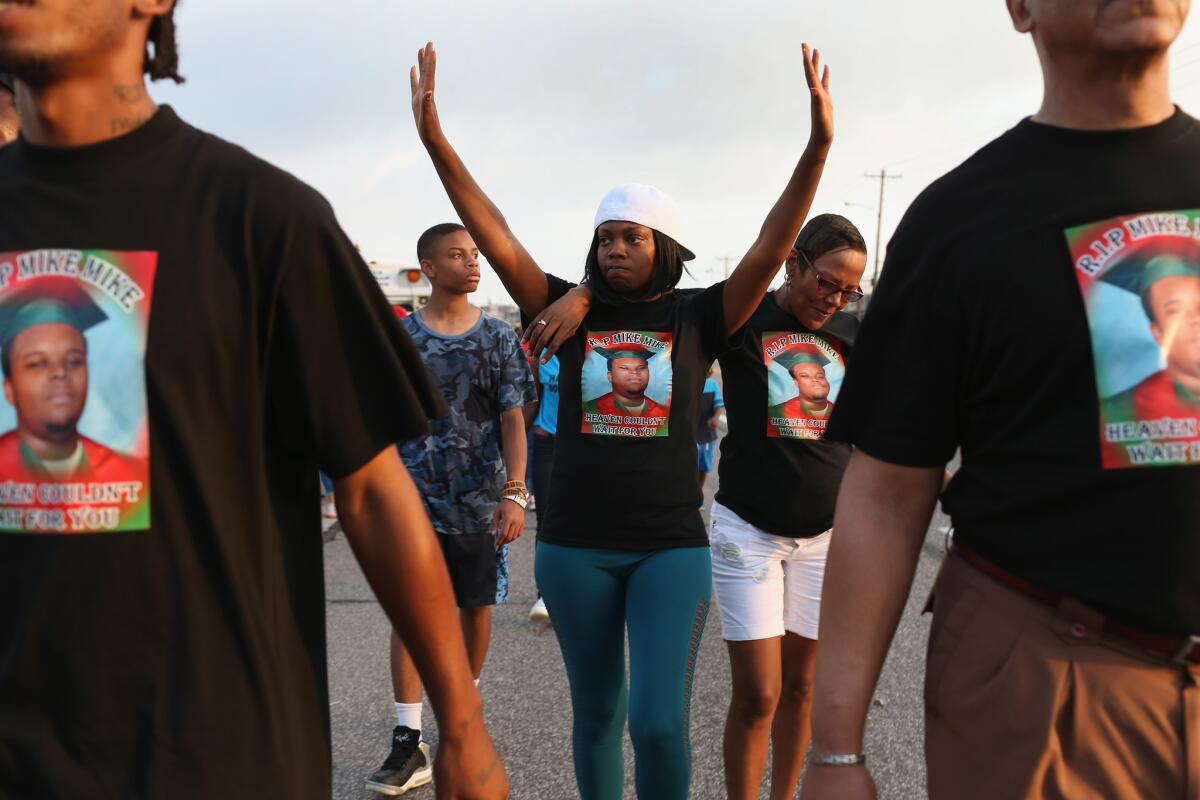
x: 459, y: 466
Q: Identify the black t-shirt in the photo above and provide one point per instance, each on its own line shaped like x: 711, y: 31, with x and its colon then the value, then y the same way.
x: 625, y: 455
x: 1009, y: 314
x: 163, y: 632
x: 781, y: 385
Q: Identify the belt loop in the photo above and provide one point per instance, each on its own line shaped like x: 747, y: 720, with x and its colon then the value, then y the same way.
x: 1191, y: 733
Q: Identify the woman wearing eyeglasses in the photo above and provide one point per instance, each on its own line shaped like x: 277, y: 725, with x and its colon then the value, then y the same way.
x: 771, y: 518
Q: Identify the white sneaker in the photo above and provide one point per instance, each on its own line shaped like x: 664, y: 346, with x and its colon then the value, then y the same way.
x: 539, y: 613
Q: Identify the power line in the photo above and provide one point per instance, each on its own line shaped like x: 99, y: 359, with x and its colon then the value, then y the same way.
x: 883, y: 177
x: 727, y: 260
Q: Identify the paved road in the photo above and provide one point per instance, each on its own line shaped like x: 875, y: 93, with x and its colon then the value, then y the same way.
x: 525, y: 690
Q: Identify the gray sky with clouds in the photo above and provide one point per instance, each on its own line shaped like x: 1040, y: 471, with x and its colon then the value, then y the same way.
x: 551, y: 103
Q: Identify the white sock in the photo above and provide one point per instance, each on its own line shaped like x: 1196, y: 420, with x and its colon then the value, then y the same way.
x: 409, y: 715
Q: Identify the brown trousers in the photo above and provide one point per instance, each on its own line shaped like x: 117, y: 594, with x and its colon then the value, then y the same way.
x: 1026, y: 701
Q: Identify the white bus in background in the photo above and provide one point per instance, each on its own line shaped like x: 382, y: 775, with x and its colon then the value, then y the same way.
x: 402, y: 284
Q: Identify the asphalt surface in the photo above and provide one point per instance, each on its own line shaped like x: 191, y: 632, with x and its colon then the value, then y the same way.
x: 525, y: 693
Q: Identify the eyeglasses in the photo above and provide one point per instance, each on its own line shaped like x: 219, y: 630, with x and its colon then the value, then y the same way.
x: 828, y: 286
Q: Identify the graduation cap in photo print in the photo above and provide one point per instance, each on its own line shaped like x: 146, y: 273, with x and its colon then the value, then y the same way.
x: 44, y: 301
x: 630, y: 350
x: 1137, y: 276
x: 801, y: 353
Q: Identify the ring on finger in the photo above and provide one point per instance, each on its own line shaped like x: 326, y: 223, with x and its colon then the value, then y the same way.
x: 542, y: 322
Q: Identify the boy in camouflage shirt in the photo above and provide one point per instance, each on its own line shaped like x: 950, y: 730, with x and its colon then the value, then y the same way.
x: 460, y: 469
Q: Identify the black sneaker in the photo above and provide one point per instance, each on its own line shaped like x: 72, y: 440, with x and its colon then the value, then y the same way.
x: 406, y: 768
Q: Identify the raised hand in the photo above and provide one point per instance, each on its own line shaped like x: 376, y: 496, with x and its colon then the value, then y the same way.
x: 421, y: 80
x: 821, y: 103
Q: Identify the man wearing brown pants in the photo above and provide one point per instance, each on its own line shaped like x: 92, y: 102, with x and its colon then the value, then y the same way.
x: 1063, y: 653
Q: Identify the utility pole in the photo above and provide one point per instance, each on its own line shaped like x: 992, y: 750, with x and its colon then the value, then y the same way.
x: 726, y: 259
x: 883, y: 177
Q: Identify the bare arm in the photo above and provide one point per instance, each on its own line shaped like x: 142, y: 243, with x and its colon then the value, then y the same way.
x: 509, y: 519
x: 385, y: 523
x: 561, y: 319
x: 512, y: 442
x: 746, y: 286
x: 521, y: 275
x: 882, y: 514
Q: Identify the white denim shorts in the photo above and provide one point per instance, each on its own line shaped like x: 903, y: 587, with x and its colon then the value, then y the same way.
x: 765, y: 584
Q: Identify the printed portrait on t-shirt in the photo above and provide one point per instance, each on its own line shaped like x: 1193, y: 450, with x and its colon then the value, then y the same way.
x: 804, y: 374
x: 626, y: 387
x: 74, y: 437
x: 1140, y: 278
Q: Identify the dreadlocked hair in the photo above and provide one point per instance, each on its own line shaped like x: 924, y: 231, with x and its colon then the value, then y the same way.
x: 164, y: 63
x: 668, y: 269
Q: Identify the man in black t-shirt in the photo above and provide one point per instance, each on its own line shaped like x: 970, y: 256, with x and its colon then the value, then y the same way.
x: 174, y: 644
x: 1063, y: 655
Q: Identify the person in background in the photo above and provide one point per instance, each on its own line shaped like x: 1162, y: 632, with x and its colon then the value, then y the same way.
x: 328, y: 500
x: 543, y: 431
x: 460, y: 470
x: 711, y: 403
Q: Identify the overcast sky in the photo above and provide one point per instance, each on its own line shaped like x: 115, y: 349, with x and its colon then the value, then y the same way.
x: 551, y: 103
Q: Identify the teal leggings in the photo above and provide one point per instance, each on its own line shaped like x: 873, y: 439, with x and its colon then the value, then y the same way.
x: 663, y: 598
